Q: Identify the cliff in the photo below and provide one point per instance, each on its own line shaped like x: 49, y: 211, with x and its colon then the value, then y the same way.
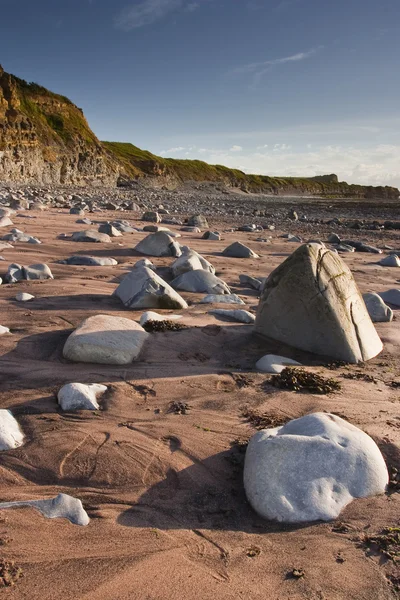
x: 45, y: 139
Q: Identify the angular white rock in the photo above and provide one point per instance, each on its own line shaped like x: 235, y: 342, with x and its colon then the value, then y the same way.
x: 80, y: 396
x: 390, y: 261
x: 272, y: 363
x: 312, y: 302
x: 190, y: 261
x: 11, y: 435
x: 239, y: 250
x: 23, y: 297
x: 4, y: 330
x: 153, y: 316
x: 62, y: 506
x: 311, y: 468
x: 158, y: 244
x: 200, y: 281
x: 377, y: 309
x: 243, y: 316
x: 142, y: 288
x: 105, y: 340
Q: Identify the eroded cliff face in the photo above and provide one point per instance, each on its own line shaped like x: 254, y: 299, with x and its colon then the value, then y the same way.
x: 45, y: 139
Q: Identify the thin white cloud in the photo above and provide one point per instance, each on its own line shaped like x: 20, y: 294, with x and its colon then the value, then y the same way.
x: 235, y: 148
x: 174, y: 150
x: 261, y: 66
x: 147, y: 12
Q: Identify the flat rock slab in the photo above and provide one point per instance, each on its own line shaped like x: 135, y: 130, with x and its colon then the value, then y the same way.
x: 272, y: 363
x: 90, y: 261
x: 24, y: 297
x: 221, y: 299
x: 105, y: 340
x: 142, y: 288
x: 390, y: 261
x: 90, y: 235
x: 11, y: 435
x: 242, y: 316
x: 311, y: 468
x: 312, y: 302
x: 62, y: 506
x: 80, y: 396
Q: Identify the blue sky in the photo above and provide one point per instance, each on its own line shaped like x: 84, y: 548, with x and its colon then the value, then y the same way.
x: 281, y: 87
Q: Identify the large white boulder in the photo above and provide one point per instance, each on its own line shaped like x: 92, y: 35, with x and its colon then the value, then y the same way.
x: 158, y: 244
x: 243, y: 316
x: 80, y: 396
x: 239, y: 250
x: 142, y: 288
x: 200, y: 281
x: 10, y: 434
x: 311, y: 468
x: 105, y: 340
x: 377, y: 309
x: 312, y: 302
x: 190, y: 261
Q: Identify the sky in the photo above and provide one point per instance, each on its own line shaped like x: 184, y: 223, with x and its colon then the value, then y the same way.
x: 277, y: 87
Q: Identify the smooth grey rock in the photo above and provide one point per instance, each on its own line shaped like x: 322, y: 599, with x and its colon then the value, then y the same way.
x: 273, y: 363
x: 24, y: 297
x: 159, y: 244
x: 80, y: 396
x: 151, y: 216
x: 312, y: 302
x: 250, y: 281
x: 311, y: 468
x: 90, y: 235
x: 62, y: 506
x: 92, y: 261
x: 84, y: 221
x: 109, y: 230
x: 11, y: 435
x: 239, y: 250
x: 190, y: 260
x: 142, y: 288
x: 390, y: 261
x: 344, y: 248
x: 200, y: 281
x: 199, y: 221
x: 75, y: 210
x: 144, y: 262
x: 391, y: 296
x: 39, y: 271
x: 14, y: 273
x: 377, y: 309
x: 105, y: 340
x: 212, y: 235
x: 333, y: 238
x: 243, y: 316
x: 222, y: 299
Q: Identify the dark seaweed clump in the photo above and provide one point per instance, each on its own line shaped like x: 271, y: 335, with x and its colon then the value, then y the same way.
x: 300, y: 380
x: 161, y: 326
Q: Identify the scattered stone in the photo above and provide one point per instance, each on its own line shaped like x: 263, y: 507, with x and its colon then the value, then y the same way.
x: 80, y: 396
x: 5, y: 222
x: 212, y: 235
x: 243, y: 316
x: 377, y: 309
x: 144, y: 262
x: 84, y: 221
x: 239, y: 250
x: 333, y: 238
x: 311, y: 468
x: 198, y: 221
x: 92, y: 261
x: 14, y: 273
x: 155, y: 228
x: 4, y: 330
x: 62, y: 506
x: 293, y: 238
x: 23, y: 297
x: 272, y: 363
x: 11, y: 435
x: 252, y: 282
x: 191, y: 229
x: 75, y: 210
x: 109, y: 230
x: 200, y: 281
x: 331, y: 319
x: 151, y: 216
x: 221, y: 299
x: 90, y: 235
x: 142, y: 288
x: 159, y: 244
x: 390, y: 261
x: 105, y: 340
x: 39, y: 271
x: 361, y: 247
x: 344, y: 248
x: 391, y: 296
